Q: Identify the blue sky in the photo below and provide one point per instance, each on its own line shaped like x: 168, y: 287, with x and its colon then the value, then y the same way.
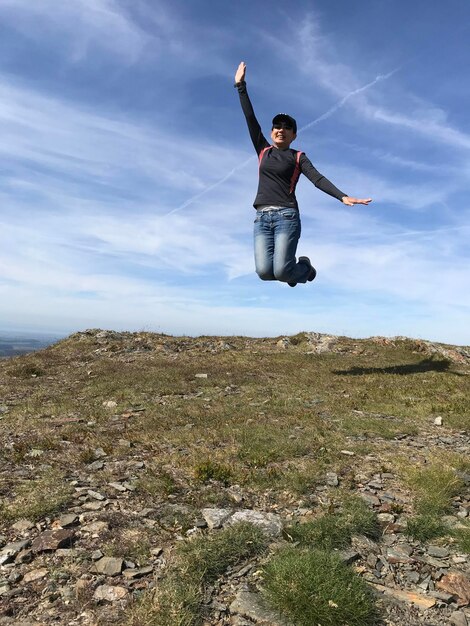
x: 127, y: 175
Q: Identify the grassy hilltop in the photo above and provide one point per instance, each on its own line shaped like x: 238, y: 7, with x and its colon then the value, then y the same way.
x: 136, y: 434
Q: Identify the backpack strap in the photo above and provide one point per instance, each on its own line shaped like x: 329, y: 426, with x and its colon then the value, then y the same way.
x: 296, y: 174
x: 261, y: 154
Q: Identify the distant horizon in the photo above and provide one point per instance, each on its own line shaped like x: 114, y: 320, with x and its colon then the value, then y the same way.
x: 21, y: 332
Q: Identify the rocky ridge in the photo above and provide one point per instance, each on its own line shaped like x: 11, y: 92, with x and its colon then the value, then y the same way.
x: 55, y: 568
x: 55, y: 571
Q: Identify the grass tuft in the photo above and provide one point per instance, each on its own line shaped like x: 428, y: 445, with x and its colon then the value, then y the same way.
x: 206, y: 471
x: 198, y: 562
x: 435, y: 487
x: 425, y: 527
x: 38, y: 498
x: 462, y: 536
x: 334, y: 531
x: 209, y: 557
x: 315, y: 587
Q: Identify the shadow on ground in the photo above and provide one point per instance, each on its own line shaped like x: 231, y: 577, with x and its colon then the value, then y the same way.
x: 426, y: 365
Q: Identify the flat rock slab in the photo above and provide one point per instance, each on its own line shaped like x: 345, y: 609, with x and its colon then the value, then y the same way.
x: 22, y: 525
x: 270, y: 523
x: 252, y: 606
x: 12, y: 549
x: 215, y: 518
x: 458, y: 618
x: 422, y: 602
x: 109, y: 566
x: 398, y: 555
x: 67, y: 520
x: 95, y: 528
x: 51, y: 540
x: 458, y: 585
x: 35, y: 574
x: 109, y: 593
x: 138, y: 572
x: 438, y: 551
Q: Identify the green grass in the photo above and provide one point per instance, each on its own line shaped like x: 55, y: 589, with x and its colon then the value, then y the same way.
x: 313, y: 587
x: 269, y: 420
x: 435, y: 486
x: 37, y: 498
x: 208, y: 470
x: 462, y: 537
x: 334, y: 531
x: 209, y: 557
x: 198, y: 563
x: 426, y: 527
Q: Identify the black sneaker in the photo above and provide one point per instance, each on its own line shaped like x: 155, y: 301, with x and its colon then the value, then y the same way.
x: 313, y: 271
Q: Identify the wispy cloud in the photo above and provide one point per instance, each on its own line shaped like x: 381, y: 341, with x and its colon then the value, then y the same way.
x: 82, y: 25
x: 58, y: 136
x: 320, y: 66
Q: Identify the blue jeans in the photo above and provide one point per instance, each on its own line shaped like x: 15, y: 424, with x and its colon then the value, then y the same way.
x: 276, y: 234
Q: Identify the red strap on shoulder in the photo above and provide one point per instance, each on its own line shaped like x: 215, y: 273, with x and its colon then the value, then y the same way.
x: 296, y: 174
x: 261, y: 154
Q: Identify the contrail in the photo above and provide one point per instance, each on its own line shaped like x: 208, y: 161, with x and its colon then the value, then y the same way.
x: 343, y: 100
x: 322, y: 117
x: 210, y: 188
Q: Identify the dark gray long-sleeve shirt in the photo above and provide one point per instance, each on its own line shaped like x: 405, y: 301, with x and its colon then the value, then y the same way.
x: 277, y: 168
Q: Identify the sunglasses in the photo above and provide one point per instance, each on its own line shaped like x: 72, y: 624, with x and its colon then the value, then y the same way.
x: 283, y: 126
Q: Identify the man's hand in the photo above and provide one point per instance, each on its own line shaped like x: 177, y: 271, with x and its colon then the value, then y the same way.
x: 240, y: 74
x: 350, y: 201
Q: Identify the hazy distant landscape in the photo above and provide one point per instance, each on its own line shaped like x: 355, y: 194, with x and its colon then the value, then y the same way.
x: 15, y: 343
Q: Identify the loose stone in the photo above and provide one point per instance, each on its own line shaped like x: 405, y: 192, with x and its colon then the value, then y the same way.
x: 52, y: 540
x: 4, y: 589
x: 332, y: 479
x: 12, y: 549
x: 270, y: 523
x: 96, y: 465
x: 349, y: 556
x: 109, y: 566
x: 35, y: 574
x: 250, y: 605
x: 95, y: 528
x: 22, y: 525
x: 96, y: 495
x: 118, y: 486
x: 139, y: 572
x: 215, y: 518
x: 458, y: 585
x: 370, y: 498
x: 438, y: 551
x: 458, y: 618
x: 108, y: 593
x: 67, y: 520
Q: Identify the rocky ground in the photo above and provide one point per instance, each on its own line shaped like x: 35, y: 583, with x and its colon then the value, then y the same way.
x: 53, y: 571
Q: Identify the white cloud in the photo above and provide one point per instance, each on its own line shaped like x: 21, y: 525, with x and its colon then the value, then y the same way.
x: 62, y: 137
x: 320, y: 67
x: 81, y: 25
